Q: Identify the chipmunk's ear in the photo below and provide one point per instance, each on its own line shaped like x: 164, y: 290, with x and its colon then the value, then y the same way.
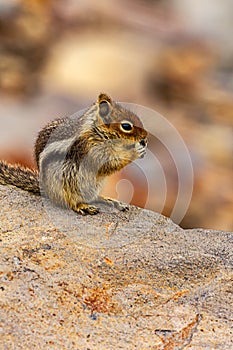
x: 105, y: 103
x: 103, y: 98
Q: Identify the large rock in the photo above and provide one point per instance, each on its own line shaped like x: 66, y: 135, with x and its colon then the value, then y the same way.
x: 130, y: 280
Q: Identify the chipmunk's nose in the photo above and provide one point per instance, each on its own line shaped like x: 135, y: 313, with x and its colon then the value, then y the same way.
x: 143, y: 142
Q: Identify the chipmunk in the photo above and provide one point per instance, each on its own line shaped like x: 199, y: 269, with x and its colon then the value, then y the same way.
x: 75, y: 154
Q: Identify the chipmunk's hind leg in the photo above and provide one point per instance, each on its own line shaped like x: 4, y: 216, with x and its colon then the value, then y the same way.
x: 113, y: 203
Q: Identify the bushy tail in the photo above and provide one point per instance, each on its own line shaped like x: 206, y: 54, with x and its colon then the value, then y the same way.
x: 15, y: 175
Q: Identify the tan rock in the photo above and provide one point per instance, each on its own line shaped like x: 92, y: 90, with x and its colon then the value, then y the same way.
x: 113, y: 281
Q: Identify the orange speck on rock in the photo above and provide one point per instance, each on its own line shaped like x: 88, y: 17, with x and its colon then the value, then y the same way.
x: 98, y: 300
x: 180, y: 294
x: 108, y: 260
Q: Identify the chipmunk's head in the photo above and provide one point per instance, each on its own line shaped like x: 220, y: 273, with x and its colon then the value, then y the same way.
x: 119, y: 123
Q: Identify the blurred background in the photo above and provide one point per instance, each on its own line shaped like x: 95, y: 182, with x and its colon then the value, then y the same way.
x: 173, y: 56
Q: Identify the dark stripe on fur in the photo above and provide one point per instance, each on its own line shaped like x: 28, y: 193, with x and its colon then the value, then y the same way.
x: 23, y: 178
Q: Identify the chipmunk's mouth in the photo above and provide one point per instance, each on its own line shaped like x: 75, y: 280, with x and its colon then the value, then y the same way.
x: 141, y: 144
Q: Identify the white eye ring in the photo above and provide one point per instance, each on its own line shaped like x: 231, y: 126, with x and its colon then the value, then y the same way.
x: 126, y: 126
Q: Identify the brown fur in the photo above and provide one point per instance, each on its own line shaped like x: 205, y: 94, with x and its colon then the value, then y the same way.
x: 75, y: 154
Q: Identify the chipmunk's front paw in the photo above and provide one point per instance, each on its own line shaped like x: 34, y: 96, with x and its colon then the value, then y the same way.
x: 141, y: 148
x: 113, y: 203
x: 85, y: 209
x: 119, y: 205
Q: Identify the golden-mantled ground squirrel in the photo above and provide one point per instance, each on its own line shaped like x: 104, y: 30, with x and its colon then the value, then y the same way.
x: 75, y: 154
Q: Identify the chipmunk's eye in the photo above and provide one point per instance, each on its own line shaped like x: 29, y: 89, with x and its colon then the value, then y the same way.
x: 126, y: 126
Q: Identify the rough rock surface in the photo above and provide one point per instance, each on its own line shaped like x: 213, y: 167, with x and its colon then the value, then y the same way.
x: 130, y: 280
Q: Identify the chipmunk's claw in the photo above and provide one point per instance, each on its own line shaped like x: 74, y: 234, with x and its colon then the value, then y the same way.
x: 86, y: 209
